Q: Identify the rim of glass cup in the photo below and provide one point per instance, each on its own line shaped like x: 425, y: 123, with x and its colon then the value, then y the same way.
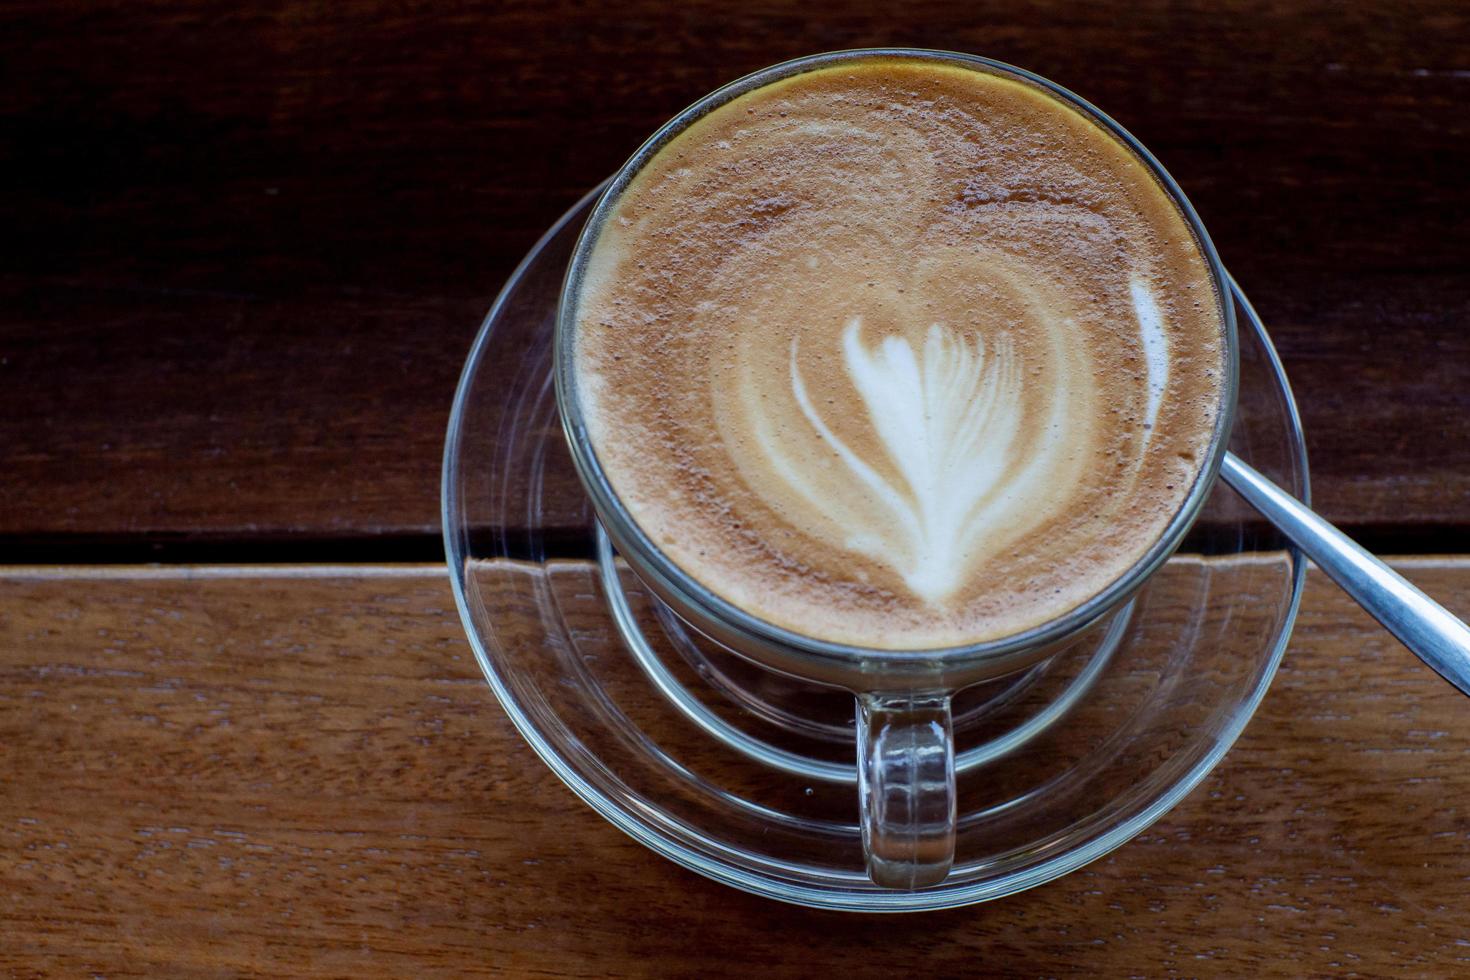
x: 704, y: 859
x: 625, y: 530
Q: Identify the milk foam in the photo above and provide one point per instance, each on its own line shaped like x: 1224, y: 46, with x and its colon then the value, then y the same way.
x: 1155, y: 345
x: 948, y: 419
x: 899, y: 355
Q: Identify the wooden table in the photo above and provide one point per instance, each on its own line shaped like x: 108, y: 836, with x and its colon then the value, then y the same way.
x: 240, y: 729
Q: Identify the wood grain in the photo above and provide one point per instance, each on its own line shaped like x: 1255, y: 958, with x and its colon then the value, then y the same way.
x: 251, y: 245
x: 217, y: 771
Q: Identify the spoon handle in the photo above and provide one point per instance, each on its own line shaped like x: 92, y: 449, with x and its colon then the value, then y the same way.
x: 1423, y: 625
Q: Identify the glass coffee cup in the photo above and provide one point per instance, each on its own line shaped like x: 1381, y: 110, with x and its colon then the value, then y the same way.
x: 905, y: 743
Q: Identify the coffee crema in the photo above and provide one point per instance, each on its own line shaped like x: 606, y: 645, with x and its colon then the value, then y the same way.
x: 899, y: 353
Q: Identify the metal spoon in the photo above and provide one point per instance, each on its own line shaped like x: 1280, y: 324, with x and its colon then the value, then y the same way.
x: 1424, y: 626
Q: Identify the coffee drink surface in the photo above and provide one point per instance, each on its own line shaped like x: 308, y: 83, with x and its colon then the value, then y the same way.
x: 899, y: 354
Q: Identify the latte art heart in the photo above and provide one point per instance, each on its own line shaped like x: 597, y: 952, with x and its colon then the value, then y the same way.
x: 898, y: 355
x: 948, y: 421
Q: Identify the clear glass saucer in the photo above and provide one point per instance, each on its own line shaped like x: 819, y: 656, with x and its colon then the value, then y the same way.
x: 746, y: 776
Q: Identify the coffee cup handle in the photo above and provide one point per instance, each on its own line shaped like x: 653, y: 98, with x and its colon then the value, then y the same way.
x: 906, y: 787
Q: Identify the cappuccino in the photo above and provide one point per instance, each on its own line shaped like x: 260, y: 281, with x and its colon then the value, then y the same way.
x: 899, y: 353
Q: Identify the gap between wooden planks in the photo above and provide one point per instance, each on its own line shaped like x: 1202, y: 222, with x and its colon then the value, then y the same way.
x: 144, y: 572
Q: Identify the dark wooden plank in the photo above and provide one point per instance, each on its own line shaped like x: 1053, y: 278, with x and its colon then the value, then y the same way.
x: 227, y: 771
x: 250, y: 245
